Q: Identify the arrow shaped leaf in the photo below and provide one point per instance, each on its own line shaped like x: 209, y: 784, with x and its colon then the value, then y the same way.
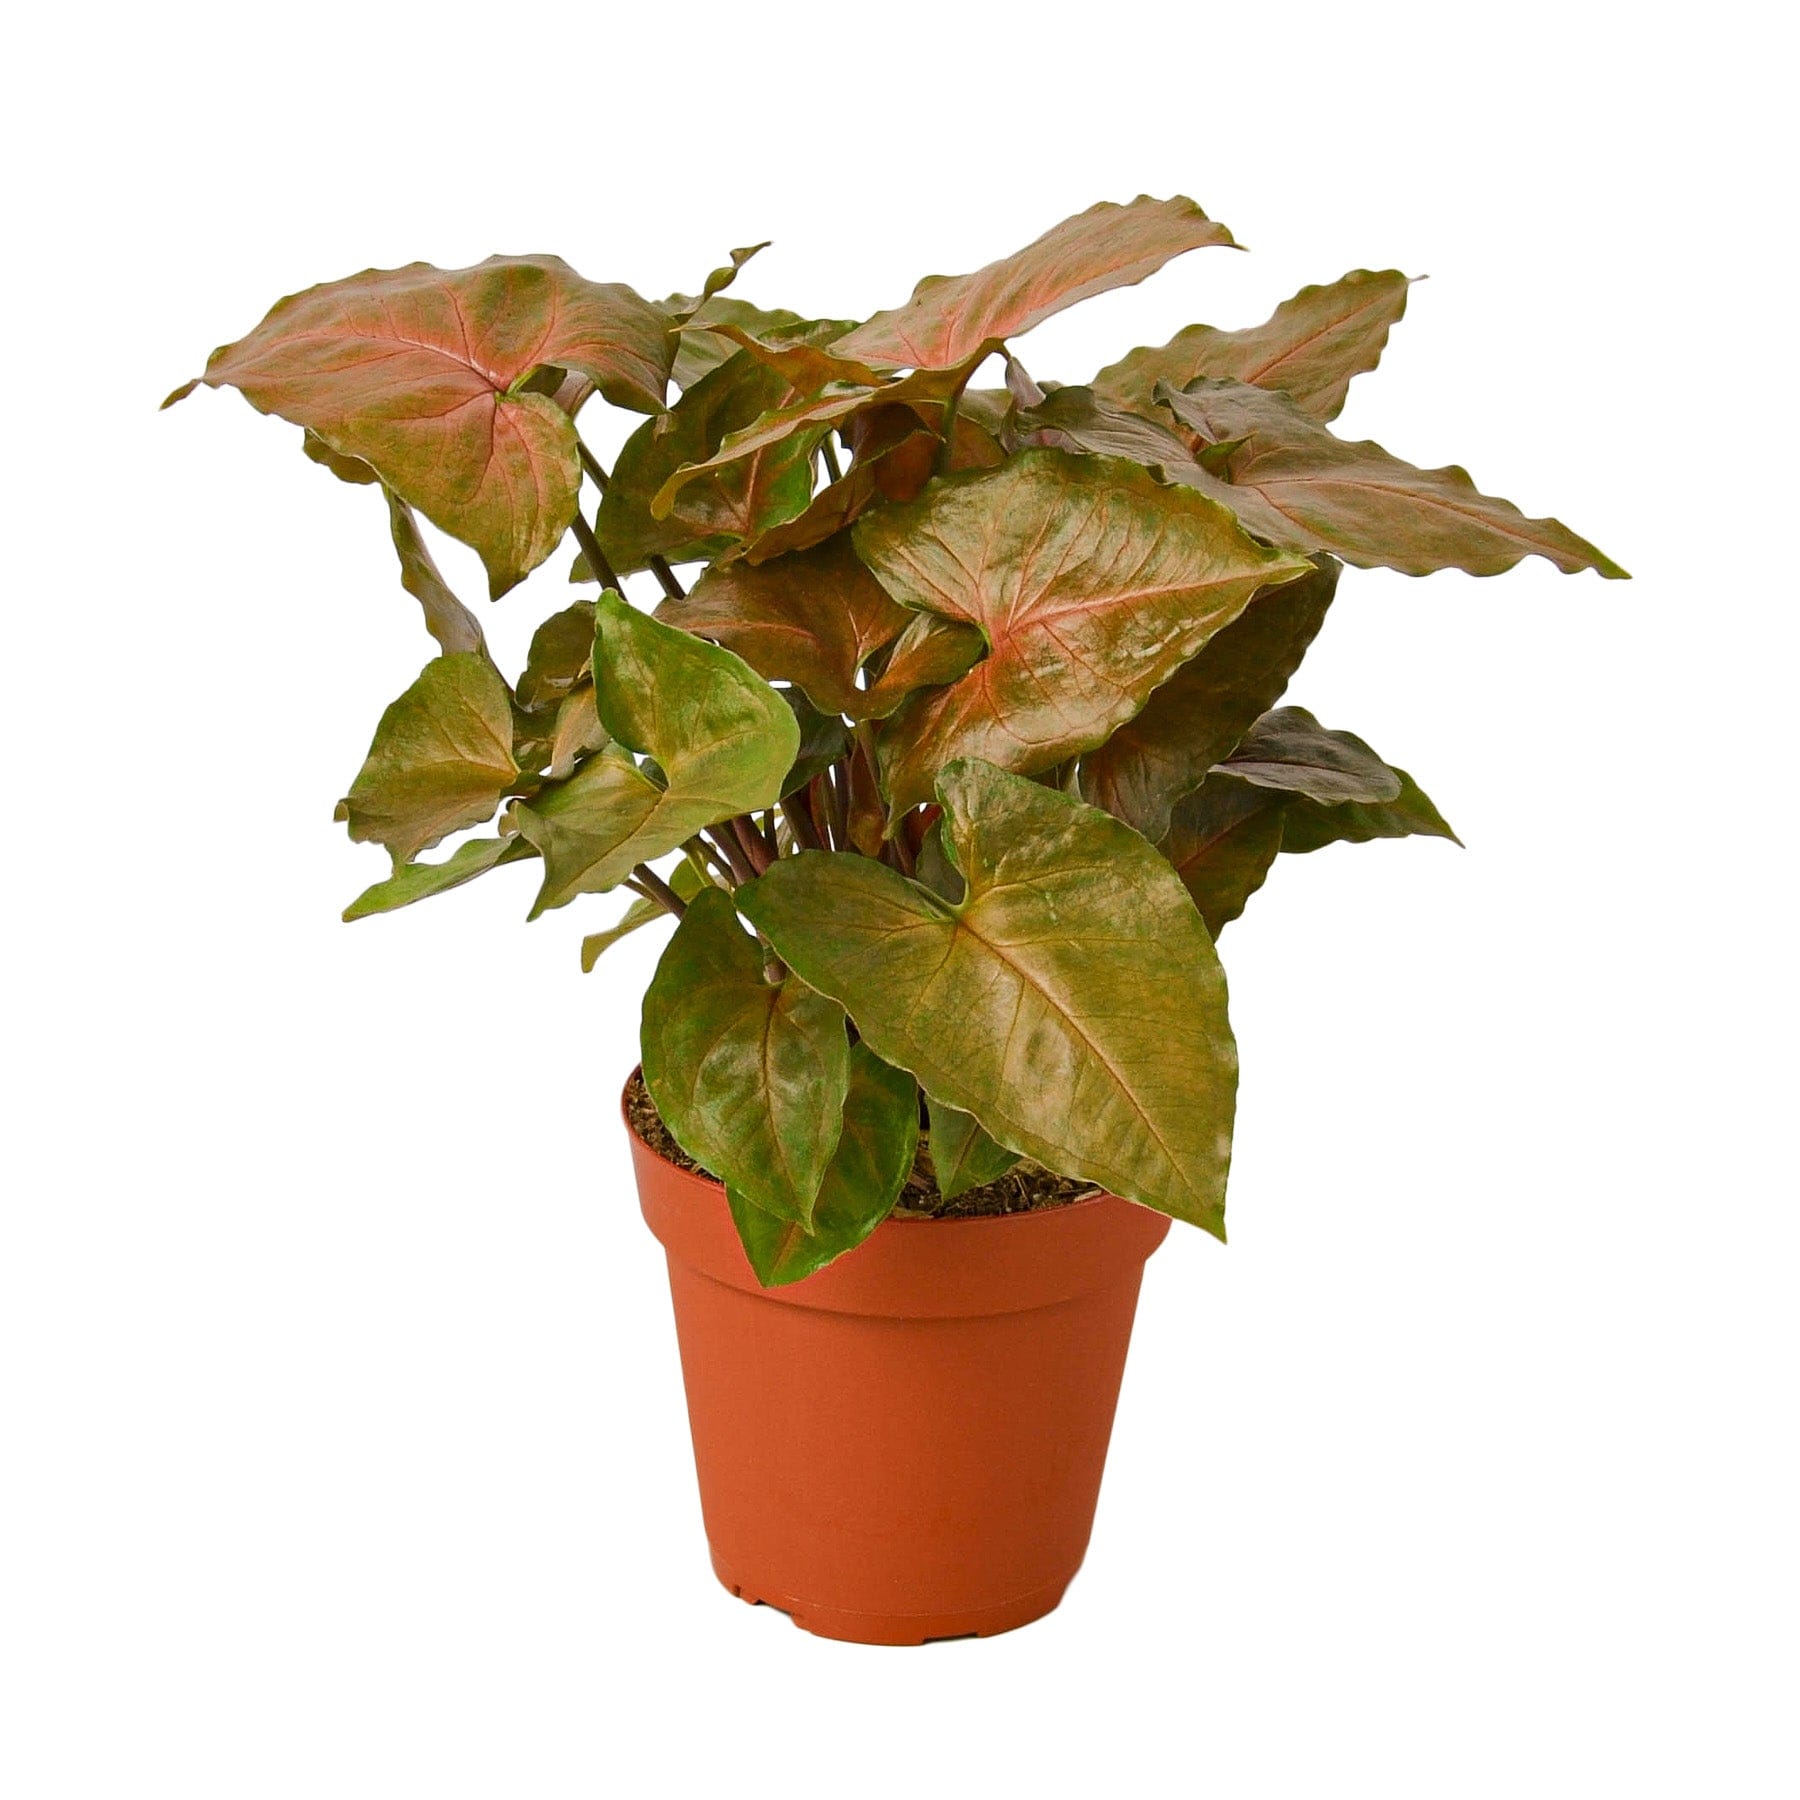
x: 1071, y: 1002
x: 1092, y: 583
x: 441, y: 759
x: 722, y: 738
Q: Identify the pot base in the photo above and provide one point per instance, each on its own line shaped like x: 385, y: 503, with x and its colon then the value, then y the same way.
x: 898, y: 1628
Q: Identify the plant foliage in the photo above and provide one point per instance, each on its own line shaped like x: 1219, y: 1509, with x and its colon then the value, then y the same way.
x: 958, y: 737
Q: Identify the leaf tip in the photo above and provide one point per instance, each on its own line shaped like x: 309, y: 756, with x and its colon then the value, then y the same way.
x: 181, y: 393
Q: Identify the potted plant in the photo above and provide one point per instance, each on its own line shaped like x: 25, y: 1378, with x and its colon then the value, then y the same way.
x: 951, y: 749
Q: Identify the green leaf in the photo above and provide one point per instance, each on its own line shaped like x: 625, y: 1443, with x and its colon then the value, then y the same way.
x: 963, y: 1156
x: 723, y: 739
x: 739, y: 501
x: 419, y: 372
x: 441, y: 760
x: 873, y: 1158
x: 1200, y: 713
x: 749, y: 1075
x: 1294, y: 483
x: 1306, y: 825
x: 1092, y: 583
x: 686, y: 883
x: 1222, y: 840
x: 1289, y: 749
x: 1311, y: 347
x: 813, y: 618
x: 561, y: 655
x: 419, y: 881
x: 446, y: 618
x: 1071, y: 1003
x: 682, y: 307
x: 950, y: 319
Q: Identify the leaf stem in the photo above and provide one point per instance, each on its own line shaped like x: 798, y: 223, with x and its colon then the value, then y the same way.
x: 947, y: 449
x: 652, y: 886
x: 699, y: 852
x: 665, y: 576
x: 742, y: 869
x: 830, y: 455
x: 604, y: 572
x: 750, y: 842
x: 836, y: 778
x: 800, y: 821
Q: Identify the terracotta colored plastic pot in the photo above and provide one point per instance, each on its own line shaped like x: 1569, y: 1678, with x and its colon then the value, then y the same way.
x: 907, y: 1445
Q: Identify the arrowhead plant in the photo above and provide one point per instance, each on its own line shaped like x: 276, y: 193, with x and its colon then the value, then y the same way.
x: 956, y: 733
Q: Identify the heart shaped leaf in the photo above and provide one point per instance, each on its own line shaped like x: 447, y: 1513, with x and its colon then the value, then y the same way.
x: 749, y: 1075
x: 1198, y: 715
x: 950, y: 319
x: 813, y: 618
x: 1092, y: 583
x: 1071, y: 1003
x: 722, y: 738
x: 441, y: 760
x: 418, y: 372
x: 1294, y: 483
x: 873, y: 1158
x: 1311, y: 347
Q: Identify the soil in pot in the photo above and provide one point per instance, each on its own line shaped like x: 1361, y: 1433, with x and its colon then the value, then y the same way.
x: 1024, y: 1188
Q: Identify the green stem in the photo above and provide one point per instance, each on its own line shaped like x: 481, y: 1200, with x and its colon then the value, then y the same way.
x: 699, y: 853
x: 830, y: 456
x: 947, y: 449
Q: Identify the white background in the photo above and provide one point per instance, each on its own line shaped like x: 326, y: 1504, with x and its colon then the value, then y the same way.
x: 341, y: 1441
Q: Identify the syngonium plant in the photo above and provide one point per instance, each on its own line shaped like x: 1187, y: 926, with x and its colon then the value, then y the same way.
x: 962, y: 745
